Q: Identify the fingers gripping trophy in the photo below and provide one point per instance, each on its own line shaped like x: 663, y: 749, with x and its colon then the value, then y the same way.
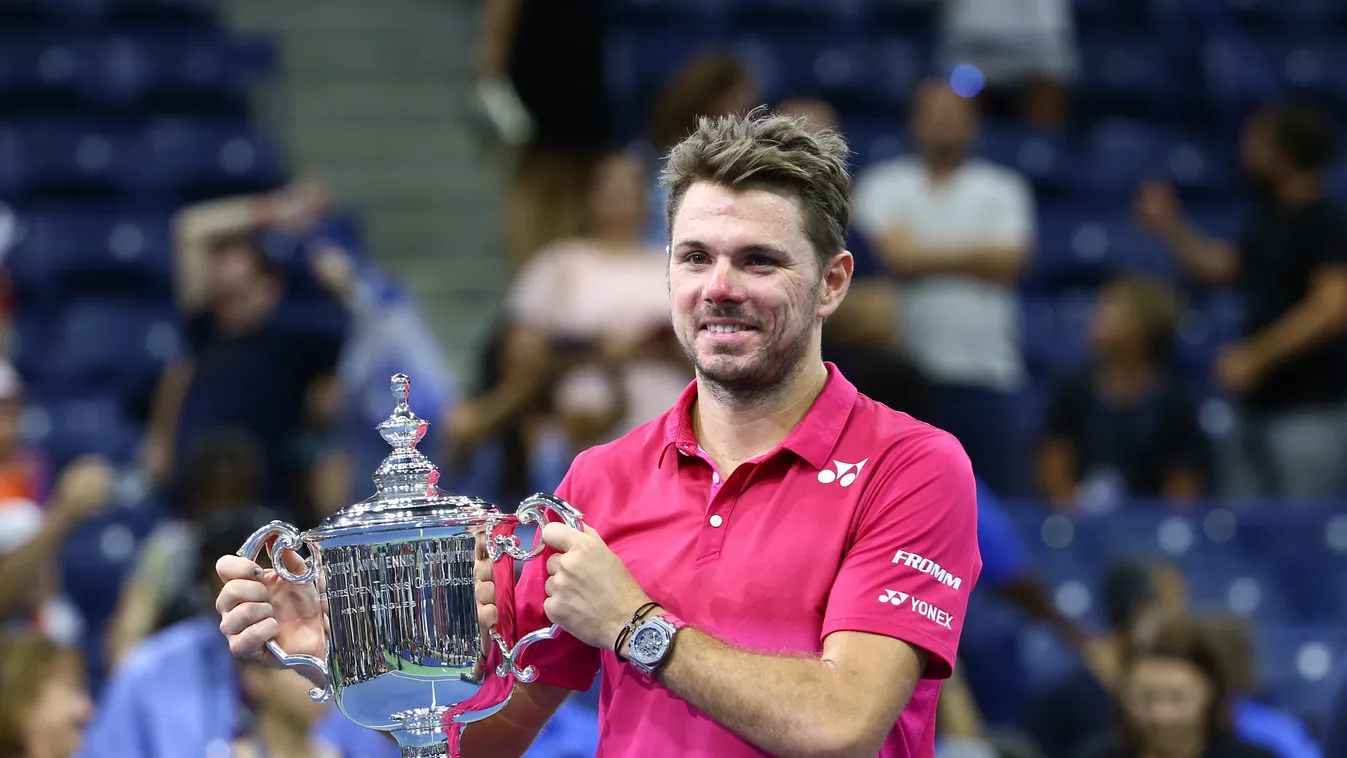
x: 381, y: 614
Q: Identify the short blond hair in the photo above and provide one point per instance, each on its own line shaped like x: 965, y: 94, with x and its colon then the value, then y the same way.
x: 763, y: 150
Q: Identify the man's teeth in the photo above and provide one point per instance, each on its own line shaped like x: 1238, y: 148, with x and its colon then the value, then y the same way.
x: 725, y: 328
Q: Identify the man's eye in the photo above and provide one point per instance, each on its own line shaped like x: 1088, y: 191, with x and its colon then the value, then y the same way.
x: 697, y: 259
x: 761, y: 261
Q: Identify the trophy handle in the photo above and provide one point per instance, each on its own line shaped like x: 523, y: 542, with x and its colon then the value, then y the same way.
x: 531, y: 511
x: 287, y: 538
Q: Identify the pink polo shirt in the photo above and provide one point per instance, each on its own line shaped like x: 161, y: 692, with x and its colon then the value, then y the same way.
x: 864, y: 519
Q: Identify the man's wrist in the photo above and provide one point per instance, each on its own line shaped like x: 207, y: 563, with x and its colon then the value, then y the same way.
x: 622, y: 642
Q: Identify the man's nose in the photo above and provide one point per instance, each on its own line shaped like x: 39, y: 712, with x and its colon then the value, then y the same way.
x: 724, y: 285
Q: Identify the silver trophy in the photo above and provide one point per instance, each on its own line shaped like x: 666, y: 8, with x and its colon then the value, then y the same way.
x: 395, y: 573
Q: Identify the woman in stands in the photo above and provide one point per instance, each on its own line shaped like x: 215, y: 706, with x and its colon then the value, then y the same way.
x: 589, y: 339
x: 1173, y: 699
x: 44, y: 698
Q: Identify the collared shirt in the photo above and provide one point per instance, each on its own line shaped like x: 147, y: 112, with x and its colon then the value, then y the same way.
x: 864, y: 519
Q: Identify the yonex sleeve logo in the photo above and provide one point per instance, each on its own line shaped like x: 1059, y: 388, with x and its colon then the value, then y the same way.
x: 845, y: 474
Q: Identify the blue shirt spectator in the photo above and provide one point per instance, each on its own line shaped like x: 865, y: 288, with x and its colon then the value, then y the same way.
x: 177, y: 696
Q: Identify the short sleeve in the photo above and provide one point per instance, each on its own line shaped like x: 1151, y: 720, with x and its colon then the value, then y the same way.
x: 914, y: 558
x: 565, y: 661
x: 1185, y: 445
x: 534, y: 290
x: 877, y: 198
x: 1330, y: 248
x: 1011, y: 220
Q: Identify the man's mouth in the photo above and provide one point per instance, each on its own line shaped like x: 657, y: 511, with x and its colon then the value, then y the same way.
x: 726, y: 328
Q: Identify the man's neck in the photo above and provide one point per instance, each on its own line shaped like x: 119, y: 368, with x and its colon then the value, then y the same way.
x: 732, y: 433
x: 282, y: 737
x: 1125, y: 381
x: 940, y: 167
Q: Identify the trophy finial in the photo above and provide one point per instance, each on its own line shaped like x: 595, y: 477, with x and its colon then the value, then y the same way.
x: 406, y: 472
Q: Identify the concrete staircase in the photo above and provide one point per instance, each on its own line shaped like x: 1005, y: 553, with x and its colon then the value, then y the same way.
x: 373, y: 100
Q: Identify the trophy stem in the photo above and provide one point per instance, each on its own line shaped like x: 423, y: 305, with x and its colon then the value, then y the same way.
x: 425, y: 734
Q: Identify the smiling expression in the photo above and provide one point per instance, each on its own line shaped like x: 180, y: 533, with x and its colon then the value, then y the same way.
x: 746, y: 289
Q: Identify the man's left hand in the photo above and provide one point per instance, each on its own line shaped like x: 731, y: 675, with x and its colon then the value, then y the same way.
x: 589, y: 592
x: 1239, y: 368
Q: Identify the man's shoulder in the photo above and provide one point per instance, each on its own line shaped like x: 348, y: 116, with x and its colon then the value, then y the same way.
x: 996, y: 175
x: 173, y: 648
x: 904, y: 168
x: 899, y: 440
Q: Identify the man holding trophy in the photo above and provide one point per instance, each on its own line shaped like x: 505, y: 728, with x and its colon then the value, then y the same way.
x: 777, y: 566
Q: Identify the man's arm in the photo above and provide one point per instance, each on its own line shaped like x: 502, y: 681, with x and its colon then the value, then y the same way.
x: 841, y: 704
x: 157, y: 447
x: 999, y: 263
x: 1206, y: 259
x: 509, y: 733
x: 1320, y: 317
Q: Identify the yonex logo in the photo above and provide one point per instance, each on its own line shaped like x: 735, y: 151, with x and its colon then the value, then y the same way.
x: 845, y: 474
x: 894, y: 596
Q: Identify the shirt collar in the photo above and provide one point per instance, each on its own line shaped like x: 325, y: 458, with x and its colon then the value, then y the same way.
x: 813, y: 439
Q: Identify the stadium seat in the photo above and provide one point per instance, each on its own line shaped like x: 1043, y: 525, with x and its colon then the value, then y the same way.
x: 1132, y: 75
x: 64, y: 157
x: 1046, y: 160
x: 1300, y: 666
x: 874, y: 140
x: 90, y: 252
x: 116, y: 348
x: 195, y: 158
x: 869, y: 77
x: 68, y: 427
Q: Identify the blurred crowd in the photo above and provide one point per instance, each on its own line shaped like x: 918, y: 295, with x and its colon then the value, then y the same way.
x: 1090, y: 381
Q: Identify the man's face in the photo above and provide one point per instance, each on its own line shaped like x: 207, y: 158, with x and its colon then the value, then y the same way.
x: 1258, y: 151
x: 944, y: 122
x: 746, y: 291
x: 234, y: 270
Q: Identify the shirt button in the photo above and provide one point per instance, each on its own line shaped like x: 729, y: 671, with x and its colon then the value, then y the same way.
x: 715, y: 477
x: 716, y: 520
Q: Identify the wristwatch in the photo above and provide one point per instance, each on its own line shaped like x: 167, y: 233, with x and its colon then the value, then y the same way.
x: 652, y: 641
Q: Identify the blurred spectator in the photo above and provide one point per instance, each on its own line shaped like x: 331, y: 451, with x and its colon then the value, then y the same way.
x: 955, y: 232
x: 1288, y: 373
x: 276, y: 716
x: 709, y: 84
x: 387, y: 336
x: 1065, y: 714
x: 962, y: 733
x: 861, y: 337
x: 589, y: 327
x: 181, y: 692
x: 1173, y: 700
x: 541, y: 84
x: 30, y: 536
x: 224, y: 473
x: 1256, y: 722
x: 245, y: 366
x: 1024, y: 52
x: 44, y: 698
x: 1124, y: 427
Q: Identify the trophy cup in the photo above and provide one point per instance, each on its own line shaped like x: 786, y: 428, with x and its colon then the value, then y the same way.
x: 405, y: 653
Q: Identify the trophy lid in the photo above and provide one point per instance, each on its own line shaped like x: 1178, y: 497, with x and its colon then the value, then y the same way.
x: 406, y: 491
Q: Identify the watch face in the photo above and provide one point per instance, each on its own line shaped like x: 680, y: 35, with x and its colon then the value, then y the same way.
x: 648, y: 644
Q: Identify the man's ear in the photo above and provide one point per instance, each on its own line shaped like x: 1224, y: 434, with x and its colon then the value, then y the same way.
x: 836, y: 281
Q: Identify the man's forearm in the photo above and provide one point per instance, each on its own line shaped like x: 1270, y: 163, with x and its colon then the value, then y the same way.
x: 28, y: 559
x: 1310, y: 323
x: 1208, y: 260
x: 786, y: 706
x: 999, y: 263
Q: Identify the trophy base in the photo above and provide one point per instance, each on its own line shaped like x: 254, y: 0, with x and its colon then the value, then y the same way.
x: 424, y: 734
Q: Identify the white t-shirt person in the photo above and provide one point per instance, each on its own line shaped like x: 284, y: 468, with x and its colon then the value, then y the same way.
x: 960, y: 330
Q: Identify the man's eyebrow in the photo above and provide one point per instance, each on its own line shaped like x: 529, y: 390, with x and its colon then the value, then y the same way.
x: 761, y: 248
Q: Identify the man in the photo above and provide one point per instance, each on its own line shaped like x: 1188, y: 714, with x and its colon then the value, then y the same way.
x: 1289, y: 371
x: 818, y: 548
x: 179, y: 692
x: 955, y: 232
x: 244, y: 366
x: 1123, y: 426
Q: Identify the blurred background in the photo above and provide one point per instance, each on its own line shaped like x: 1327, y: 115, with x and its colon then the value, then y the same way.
x: 1100, y: 241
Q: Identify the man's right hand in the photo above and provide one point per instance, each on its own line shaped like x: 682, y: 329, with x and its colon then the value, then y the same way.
x: 484, y: 589
x: 257, y: 606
